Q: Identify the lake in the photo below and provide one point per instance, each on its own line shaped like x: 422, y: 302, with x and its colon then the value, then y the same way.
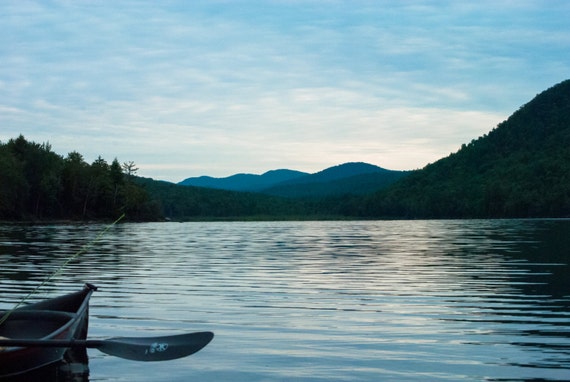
x: 425, y: 300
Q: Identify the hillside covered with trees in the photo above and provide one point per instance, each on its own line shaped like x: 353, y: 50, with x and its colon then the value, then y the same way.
x: 36, y: 183
x: 520, y: 169
x: 178, y: 202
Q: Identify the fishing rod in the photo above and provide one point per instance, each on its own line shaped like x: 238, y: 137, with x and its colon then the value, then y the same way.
x: 58, y: 270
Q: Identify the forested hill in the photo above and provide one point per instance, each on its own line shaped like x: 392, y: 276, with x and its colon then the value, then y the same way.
x: 520, y: 169
x: 355, y: 178
x: 38, y: 184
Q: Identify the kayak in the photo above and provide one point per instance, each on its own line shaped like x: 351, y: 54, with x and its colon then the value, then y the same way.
x: 61, y: 318
x: 47, y: 332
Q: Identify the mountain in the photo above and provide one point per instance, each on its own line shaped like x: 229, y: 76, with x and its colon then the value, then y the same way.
x: 244, y: 182
x: 520, y: 169
x: 341, y: 171
x: 347, y: 178
x: 355, y: 178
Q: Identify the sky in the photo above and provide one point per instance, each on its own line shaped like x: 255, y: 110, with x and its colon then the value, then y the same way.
x: 219, y: 87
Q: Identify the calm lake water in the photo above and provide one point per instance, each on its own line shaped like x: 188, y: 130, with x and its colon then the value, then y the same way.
x: 316, y: 301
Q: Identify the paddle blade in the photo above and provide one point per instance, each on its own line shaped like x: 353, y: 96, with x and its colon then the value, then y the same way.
x: 156, y: 348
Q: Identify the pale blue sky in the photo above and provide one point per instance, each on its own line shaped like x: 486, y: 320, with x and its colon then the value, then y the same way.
x: 189, y: 88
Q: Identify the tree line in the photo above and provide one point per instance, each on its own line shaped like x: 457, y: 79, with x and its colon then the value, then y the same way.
x: 520, y: 169
x: 179, y: 203
x: 36, y: 183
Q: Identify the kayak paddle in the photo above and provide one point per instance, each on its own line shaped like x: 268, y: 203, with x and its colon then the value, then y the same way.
x: 133, y: 348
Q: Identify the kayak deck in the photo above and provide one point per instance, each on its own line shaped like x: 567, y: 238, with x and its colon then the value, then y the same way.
x: 64, y: 317
x: 34, y: 323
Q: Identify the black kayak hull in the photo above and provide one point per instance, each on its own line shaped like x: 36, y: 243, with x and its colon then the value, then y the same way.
x: 65, y: 317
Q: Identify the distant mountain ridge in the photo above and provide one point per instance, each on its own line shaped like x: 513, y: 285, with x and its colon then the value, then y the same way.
x: 348, y: 178
x: 244, y: 182
x: 354, y: 178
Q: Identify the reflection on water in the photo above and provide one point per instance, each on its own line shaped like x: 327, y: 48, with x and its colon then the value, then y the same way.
x: 317, y: 301
x: 73, y: 368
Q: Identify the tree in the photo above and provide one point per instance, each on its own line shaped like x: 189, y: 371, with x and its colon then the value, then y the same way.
x: 74, y: 180
x: 130, y: 168
x: 41, y: 169
x: 13, y: 185
x: 117, y: 180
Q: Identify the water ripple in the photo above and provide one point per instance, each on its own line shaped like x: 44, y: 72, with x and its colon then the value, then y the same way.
x: 319, y: 301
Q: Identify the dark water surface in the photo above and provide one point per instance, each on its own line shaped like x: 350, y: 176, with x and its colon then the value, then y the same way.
x: 316, y: 301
